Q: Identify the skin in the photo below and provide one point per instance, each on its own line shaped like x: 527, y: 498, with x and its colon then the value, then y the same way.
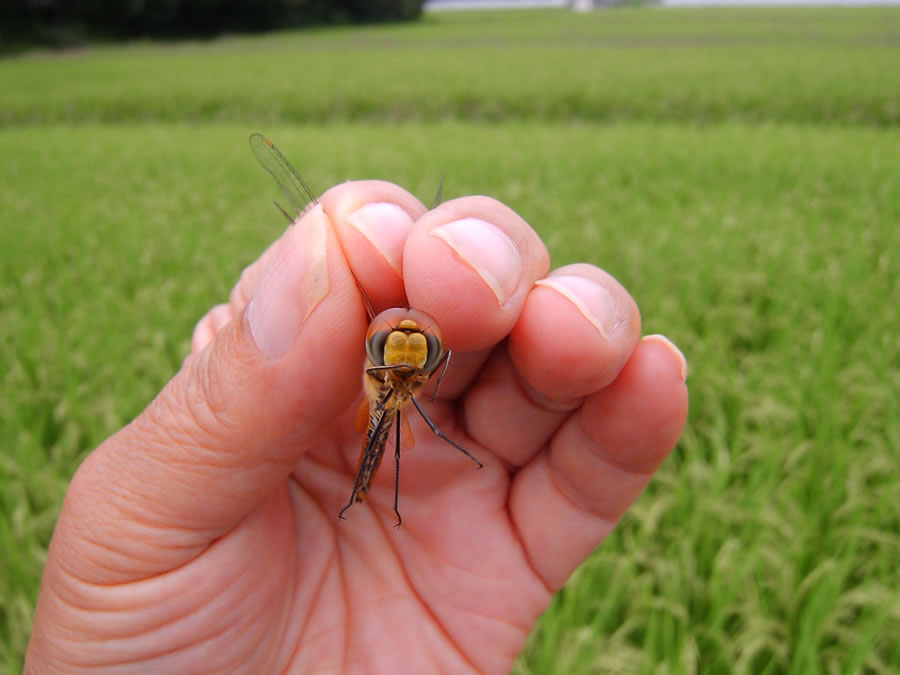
x: 204, y: 535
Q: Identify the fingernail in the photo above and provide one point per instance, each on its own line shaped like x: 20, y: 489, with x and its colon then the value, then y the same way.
x: 486, y: 249
x: 294, y: 282
x: 386, y: 226
x: 668, y: 344
x: 593, y: 300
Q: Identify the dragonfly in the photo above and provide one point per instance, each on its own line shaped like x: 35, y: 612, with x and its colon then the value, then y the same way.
x: 404, y: 350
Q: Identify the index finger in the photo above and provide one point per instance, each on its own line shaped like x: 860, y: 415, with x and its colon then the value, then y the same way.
x: 373, y: 220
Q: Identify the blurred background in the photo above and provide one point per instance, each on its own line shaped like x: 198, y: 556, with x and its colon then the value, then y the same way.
x: 735, y: 168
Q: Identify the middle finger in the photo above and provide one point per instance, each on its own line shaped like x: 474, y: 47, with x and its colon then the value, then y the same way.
x: 575, y: 334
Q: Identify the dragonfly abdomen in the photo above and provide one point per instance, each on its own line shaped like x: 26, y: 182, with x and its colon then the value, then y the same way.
x: 381, y: 419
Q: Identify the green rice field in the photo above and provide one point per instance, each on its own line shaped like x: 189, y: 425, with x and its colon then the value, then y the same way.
x: 737, y: 170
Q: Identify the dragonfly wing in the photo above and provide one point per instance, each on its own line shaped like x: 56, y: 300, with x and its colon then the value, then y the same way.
x: 292, y: 185
x: 362, y: 417
x: 438, y: 198
x: 408, y: 441
x: 294, y: 188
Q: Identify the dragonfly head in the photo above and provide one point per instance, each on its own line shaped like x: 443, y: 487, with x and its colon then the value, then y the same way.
x: 404, y: 337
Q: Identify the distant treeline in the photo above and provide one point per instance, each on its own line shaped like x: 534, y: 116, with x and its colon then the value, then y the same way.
x: 72, y: 21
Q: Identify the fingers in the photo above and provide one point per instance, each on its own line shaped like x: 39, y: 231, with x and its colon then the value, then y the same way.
x: 577, y: 329
x: 209, y: 326
x: 473, y: 248
x: 221, y: 315
x: 470, y: 263
x: 567, y: 500
x: 229, y: 428
x: 245, y: 288
x: 373, y: 221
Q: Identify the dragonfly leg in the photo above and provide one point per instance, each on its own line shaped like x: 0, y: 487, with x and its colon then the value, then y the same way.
x: 397, y: 473
x: 351, y: 502
x: 440, y: 434
x: 437, y: 385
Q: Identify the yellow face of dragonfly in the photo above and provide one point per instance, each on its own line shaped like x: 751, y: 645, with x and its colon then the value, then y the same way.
x: 404, y: 337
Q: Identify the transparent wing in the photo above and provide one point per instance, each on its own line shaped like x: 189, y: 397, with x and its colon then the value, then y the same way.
x: 292, y: 185
x: 294, y: 188
x: 438, y: 198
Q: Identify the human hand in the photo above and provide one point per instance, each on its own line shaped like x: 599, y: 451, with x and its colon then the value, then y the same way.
x: 204, y: 535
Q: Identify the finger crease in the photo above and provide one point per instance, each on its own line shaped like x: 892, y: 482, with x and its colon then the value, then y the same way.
x: 542, y: 401
x: 597, y: 450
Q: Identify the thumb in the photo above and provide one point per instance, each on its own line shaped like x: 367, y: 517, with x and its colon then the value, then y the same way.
x: 230, y: 426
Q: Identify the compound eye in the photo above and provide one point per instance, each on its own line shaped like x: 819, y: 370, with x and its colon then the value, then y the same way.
x: 435, y: 351
x: 375, y: 346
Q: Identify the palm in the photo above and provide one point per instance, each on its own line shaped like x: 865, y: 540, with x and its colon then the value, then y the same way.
x: 453, y: 580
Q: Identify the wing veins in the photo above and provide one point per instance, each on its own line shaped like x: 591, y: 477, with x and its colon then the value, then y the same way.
x: 292, y: 185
